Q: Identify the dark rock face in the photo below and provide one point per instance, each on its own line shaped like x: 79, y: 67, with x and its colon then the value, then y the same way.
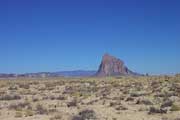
x: 111, y: 66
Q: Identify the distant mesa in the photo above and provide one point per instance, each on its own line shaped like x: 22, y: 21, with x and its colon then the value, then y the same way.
x: 111, y: 66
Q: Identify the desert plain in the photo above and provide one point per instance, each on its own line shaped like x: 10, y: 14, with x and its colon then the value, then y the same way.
x: 91, y: 98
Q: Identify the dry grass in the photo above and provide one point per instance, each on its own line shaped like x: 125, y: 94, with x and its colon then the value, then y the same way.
x: 109, y: 98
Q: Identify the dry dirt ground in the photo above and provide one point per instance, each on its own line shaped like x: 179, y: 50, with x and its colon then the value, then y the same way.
x: 110, y: 98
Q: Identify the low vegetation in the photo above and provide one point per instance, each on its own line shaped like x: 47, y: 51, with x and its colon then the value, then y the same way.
x: 106, y: 98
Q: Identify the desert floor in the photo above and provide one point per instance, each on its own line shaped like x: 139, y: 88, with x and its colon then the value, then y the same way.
x: 110, y: 98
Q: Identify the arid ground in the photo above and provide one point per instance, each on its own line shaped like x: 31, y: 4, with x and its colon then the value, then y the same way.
x: 110, y: 98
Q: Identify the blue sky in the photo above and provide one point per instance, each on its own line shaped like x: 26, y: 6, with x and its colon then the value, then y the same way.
x: 54, y: 35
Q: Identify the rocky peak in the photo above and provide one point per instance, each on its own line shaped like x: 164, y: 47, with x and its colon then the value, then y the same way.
x: 111, y: 65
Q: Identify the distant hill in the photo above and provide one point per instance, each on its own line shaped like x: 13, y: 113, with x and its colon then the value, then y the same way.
x: 75, y: 73
x: 4, y: 75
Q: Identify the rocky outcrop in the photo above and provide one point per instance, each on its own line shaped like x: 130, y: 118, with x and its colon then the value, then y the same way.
x: 111, y: 66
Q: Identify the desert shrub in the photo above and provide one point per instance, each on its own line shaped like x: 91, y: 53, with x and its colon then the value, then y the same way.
x: 50, y: 85
x: 13, y: 88
x: 2, y: 85
x: 72, y: 103
x: 68, y: 90
x: 76, y: 94
x: 10, y: 97
x: 52, y: 110
x: 164, y: 118
x: 15, y: 107
x: 40, y: 109
x: 45, y: 97
x: 35, y: 99
x: 52, y: 97
x: 20, y: 106
x: 136, y: 94
x: 143, y: 108
x: 92, y: 102
x: 112, y: 104
x: 85, y: 115
x: 118, y: 77
x: 61, y: 98
x: 2, y: 93
x: 56, y: 117
x: 121, y: 107
x: 177, y: 118
x: 42, y: 88
x: 76, y: 118
x: 50, y: 88
x: 129, y: 99
x: 115, y: 83
x: 175, y: 107
x: 153, y: 110
x: 28, y: 113
x: 18, y: 114
x: 167, y: 103
x: 24, y: 86
x: 122, y: 97
x: 144, y: 101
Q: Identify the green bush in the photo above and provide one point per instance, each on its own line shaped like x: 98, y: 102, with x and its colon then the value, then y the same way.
x: 28, y: 113
x: 175, y: 107
x: 18, y: 114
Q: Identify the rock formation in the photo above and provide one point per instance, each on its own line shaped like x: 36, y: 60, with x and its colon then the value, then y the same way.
x: 111, y: 66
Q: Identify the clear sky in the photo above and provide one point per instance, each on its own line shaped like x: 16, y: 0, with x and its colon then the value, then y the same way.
x: 55, y: 35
